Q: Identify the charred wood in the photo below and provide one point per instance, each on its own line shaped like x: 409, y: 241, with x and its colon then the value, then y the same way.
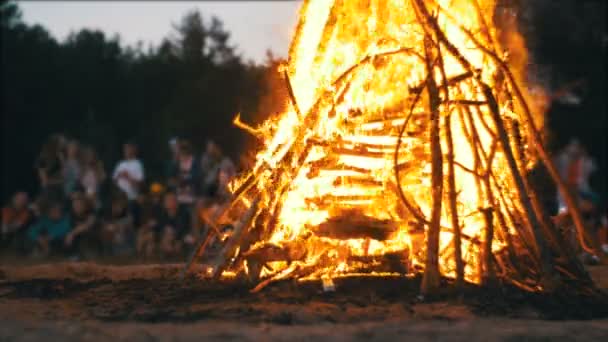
x: 354, y: 225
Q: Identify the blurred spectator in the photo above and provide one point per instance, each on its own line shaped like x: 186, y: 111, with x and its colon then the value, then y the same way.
x: 217, y: 171
x: 604, y: 230
x: 564, y: 157
x: 210, y: 162
x: 187, y: 174
x: 158, y: 222
x: 208, y: 210
x: 49, y: 165
x: 129, y: 172
x: 93, y: 174
x: 226, y: 173
x: 171, y: 164
x: 15, y: 219
x: 82, y: 236
x: 173, y: 227
x: 71, y: 168
x: 151, y: 212
x: 579, y: 174
x: 129, y: 176
x: 117, y: 228
x: 48, y: 234
x: 575, y: 167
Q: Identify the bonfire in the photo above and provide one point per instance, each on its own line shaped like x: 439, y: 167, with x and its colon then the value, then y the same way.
x: 403, y: 151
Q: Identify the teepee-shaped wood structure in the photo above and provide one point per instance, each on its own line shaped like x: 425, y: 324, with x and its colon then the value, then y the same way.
x: 404, y: 150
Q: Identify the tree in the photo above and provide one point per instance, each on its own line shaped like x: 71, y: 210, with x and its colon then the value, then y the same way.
x: 10, y: 15
x: 220, y: 52
x: 28, y: 55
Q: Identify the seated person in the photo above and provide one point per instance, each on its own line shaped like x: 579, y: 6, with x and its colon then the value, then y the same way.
x: 151, y: 211
x: 117, y: 228
x: 16, y: 217
x: 187, y: 174
x: 83, y: 233
x: 208, y: 209
x: 173, y: 227
x: 49, y: 233
x: 225, y: 174
x: 209, y: 214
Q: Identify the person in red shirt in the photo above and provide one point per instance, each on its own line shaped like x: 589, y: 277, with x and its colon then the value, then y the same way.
x: 16, y: 217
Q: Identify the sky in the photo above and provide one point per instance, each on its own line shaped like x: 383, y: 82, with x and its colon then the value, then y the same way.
x: 255, y: 25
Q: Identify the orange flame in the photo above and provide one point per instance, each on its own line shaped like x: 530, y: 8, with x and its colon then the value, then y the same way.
x: 354, y: 68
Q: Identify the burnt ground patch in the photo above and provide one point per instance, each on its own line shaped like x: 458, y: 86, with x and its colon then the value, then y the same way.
x: 356, y: 299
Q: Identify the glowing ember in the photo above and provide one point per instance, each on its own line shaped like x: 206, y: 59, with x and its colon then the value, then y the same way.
x: 383, y: 91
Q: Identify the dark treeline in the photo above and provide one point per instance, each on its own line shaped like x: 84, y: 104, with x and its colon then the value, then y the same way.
x: 567, y: 40
x: 94, y: 89
x: 192, y: 84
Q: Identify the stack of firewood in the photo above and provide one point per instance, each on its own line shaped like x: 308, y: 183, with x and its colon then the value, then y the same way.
x: 535, y: 256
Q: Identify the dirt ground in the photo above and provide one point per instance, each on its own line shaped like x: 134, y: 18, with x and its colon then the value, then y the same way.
x: 93, y: 302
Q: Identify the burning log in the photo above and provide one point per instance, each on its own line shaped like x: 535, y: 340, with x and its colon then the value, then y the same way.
x: 364, y: 152
x: 326, y: 165
x: 268, y: 252
x: 282, y: 275
x: 229, y: 249
x: 359, y: 181
x: 196, y: 254
x: 329, y: 200
x: 296, y: 269
x: 368, y: 146
x: 352, y: 224
x: 292, y: 97
x: 389, y: 262
x: 467, y: 102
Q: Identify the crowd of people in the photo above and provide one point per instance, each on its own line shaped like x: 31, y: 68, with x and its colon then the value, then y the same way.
x: 84, y: 212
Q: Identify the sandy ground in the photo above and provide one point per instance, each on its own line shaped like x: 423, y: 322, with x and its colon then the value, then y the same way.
x: 93, y: 302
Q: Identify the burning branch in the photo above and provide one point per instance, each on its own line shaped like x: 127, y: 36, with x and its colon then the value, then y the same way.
x: 452, y: 197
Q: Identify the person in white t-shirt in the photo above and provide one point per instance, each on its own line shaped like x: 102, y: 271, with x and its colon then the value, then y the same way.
x: 129, y: 172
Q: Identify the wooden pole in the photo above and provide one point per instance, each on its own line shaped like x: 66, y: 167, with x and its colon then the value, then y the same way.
x: 524, y: 196
x: 452, y: 203
x: 234, y: 240
x: 488, y: 276
x: 431, y: 278
x: 452, y: 195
